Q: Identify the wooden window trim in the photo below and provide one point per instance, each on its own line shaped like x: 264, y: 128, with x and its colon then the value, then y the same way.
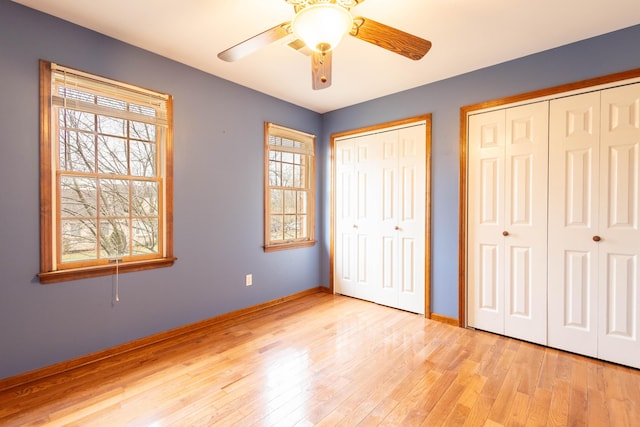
x: 294, y: 244
x: 48, y: 273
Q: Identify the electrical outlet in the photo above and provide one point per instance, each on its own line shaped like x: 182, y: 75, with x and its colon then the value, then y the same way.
x: 248, y: 280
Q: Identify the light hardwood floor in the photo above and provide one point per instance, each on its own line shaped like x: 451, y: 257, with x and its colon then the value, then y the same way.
x: 333, y: 361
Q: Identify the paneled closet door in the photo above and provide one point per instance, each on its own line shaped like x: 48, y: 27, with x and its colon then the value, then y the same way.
x: 357, y: 272
x: 619, y: 227
x: 525, y: 221
x: 594, y: 236
x: 574, y: 131
x: 507, y: 217
x: 380, y: 217
x: 411, y: 217
x: 400, y: 218
x: 485, y: 249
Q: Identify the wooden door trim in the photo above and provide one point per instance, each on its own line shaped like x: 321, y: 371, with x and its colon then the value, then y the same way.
x: 427, y: 241
x: 548, y: 93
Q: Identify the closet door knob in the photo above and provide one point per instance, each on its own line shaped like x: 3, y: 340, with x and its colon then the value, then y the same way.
x: 397, y: 228
x: 355, y: 226
x: 596, y: 238
x: 505, y: 233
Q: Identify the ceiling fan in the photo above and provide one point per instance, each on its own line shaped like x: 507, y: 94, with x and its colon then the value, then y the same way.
x: 319, y: 25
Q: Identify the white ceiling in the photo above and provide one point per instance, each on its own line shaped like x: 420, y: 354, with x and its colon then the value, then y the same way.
x: 466, y: 35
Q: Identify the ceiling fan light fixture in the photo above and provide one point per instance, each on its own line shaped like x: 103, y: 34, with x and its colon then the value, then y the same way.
x: 322, y: 26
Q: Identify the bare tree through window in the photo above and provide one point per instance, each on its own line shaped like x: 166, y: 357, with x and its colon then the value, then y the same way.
x: 289, y: 187
x: 109, y: 145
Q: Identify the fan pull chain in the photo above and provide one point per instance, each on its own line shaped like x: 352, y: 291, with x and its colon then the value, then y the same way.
x: 117, y: 280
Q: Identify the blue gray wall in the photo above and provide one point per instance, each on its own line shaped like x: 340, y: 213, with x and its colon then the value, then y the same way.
x: 610, y: 53
x: 218, y: 202
x: 218, y: 186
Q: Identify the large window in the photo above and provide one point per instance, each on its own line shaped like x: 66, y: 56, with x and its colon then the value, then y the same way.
x: 289, y: 188
x: 106, y: 176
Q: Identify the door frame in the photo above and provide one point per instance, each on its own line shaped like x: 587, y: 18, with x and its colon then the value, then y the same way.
x: 426, y: 118
x: 596, y: 83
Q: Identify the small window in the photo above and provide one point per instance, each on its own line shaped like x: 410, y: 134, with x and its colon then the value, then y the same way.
x: 289, y: 188
x: 106, y: 173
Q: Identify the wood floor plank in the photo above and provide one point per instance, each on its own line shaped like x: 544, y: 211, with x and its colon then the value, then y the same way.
x: 324, y: 360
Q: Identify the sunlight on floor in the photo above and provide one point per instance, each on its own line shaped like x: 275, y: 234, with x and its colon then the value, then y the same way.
x: 288, y: 384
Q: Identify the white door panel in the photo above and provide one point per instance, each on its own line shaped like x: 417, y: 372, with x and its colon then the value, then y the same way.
x: 345, y: 230
x: 388, y: 199
x: 553, y: 231
x: 411, y: 217
x: 485, y: 251
x: 619, y: 249
x: 525, y: 204
x: 573, y: 220
x: 507, y: 221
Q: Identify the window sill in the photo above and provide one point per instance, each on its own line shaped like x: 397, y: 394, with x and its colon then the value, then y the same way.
x: 292, y: 245
x: 103, y: 270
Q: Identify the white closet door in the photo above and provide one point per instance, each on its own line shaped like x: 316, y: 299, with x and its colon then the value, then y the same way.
x: 507, y: 217
x: 345, y: 234
x: 380, y: 217
x: 525, y: 222
x: 619, y: 228
x: 356, y: 246
x: 411, y: 218
x: 485, y: 281
x: 388, y: 195
x: 573, y: 221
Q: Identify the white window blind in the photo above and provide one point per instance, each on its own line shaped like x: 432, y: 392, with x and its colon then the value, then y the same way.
x: 283, y: 139
x: 74, y: 89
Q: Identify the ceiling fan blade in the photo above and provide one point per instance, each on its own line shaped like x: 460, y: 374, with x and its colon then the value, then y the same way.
x: 390, y: 38
x: 256, y: 42
x: 321, y: 70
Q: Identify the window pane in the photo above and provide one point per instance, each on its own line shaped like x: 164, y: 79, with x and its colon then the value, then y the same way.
x: 142, y: 131
x: 297, y: 182
x: 72, y: 119
x: 112, y: 126
x: 76, y: 151
x: 145, y: 236
x: 302, y: 202
x: 290, y: 227
x: 304, y: 182
x: 302, y: 227
x: 114, y: 238
x: 144, y: 198
x: 275, y: 174
x: 112, y: 155
x: 143, y: 159
x: 78, y: 240
x: 114, y: 197
x: 287, y: 157
x: 287, y: 175
x: 277, y: 231
x: 277, y: 202
x: 275, y: 155
x: 77, y: 197
x: 290, y: 202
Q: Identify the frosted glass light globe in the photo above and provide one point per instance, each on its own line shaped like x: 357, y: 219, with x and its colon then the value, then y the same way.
x: 322, y: 26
